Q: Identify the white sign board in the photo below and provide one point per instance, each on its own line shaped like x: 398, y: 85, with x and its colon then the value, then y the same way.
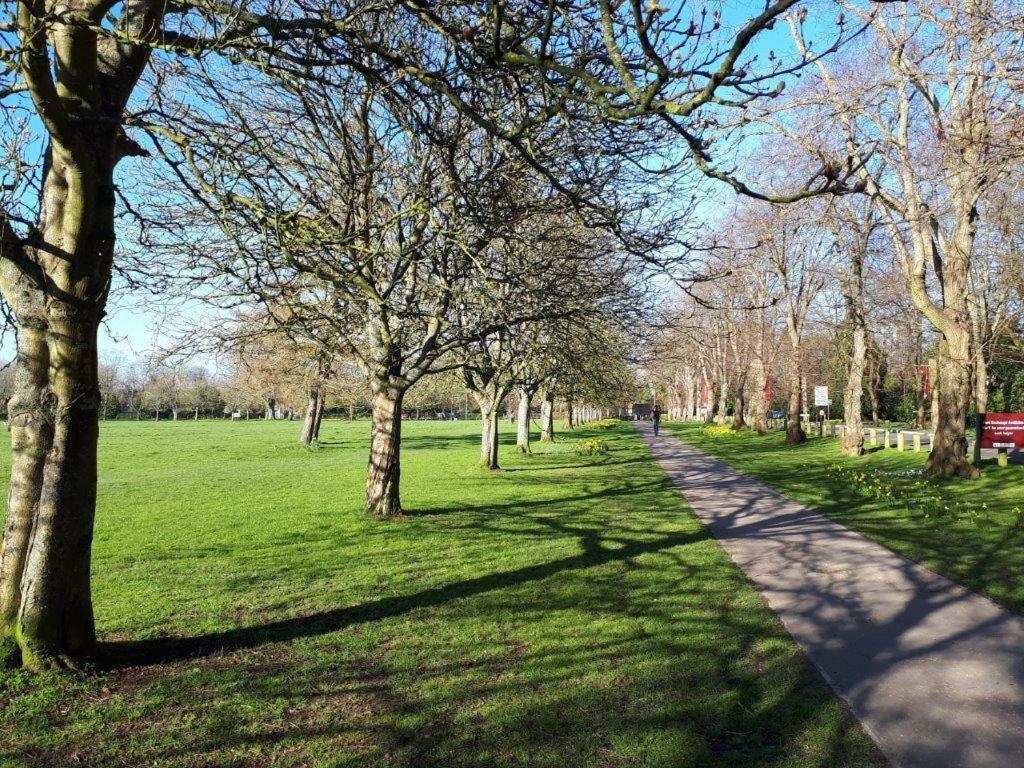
x: 821, y: 396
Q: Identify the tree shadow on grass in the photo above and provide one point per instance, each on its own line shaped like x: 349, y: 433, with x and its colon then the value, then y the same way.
x: 141, y: 652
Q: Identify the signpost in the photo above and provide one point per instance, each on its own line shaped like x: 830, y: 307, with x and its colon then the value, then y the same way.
x: 821, y: 397
x: 1001, y: 431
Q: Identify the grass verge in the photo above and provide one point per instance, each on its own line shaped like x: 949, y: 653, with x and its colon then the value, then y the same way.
x: 566, y: 611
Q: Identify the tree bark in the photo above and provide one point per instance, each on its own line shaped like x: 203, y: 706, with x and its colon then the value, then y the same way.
x: 740, y: 401
x: 384, y: 471
x: 55, y: 419
x: 759, y: 404
x: 853, y: 432
x: 319, y: 417
x: 523, y: 420
x: 308, y: 433
x: 55, y: 621
x: 794, y: 431
x: 31, y: 425
x: 853, y: 290
x: 948, y: 456
x: 489, y: 431
x: 547, y: 417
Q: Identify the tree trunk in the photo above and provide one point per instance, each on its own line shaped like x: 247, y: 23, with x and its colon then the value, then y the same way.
x: 523, y: 420
x: 31, y: 426
x: 853, y: 432
x: 547, y: 418
x: 981, y: 382
x: 740, y: 402
x: 56, y: 619
x: 489, y: 431
x: 308, y: 433
x: 759, y: 404
x: 319, y: 417
x: 794, y: 431
x: 568, y: 422
x: 271, y: 409
x: 948, y: 456
x: 383, y: 474
x: 933, y: 374
x: 55, y: 414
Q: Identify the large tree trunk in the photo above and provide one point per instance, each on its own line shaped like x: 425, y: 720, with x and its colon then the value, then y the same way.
x: 523, y: 420
x: 54, y: 417
x: 853, y: 289
x: 56, y: 617
x: 547, y: 417
x: 384, y: 471
x: 948, y: 456
x: 853, y: 432
x: 308, y: 433
x: 31, y: 428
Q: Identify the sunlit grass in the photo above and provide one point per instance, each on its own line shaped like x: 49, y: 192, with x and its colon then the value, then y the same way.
x: 566, y: 611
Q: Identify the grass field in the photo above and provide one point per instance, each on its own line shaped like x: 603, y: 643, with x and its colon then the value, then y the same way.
x: 970, y: 531
x: 566, y: 611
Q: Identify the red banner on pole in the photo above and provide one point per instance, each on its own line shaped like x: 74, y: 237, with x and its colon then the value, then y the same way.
x: 924, y: 374
x: 1002, y: 430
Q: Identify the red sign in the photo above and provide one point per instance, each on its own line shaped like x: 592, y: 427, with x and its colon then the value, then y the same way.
x: 924, y: 374
x: 1002, y: 430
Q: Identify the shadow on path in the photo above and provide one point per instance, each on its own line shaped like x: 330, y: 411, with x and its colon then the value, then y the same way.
x: 933, y: 671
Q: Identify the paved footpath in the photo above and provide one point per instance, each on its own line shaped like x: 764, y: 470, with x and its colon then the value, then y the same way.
x: 933, y: 671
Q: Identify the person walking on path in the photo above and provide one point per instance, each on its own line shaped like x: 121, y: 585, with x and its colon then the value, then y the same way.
x: 656, y: 420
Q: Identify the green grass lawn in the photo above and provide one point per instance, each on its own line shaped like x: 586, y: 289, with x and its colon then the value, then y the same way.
x: 970, y: 531
x: 566, y: 611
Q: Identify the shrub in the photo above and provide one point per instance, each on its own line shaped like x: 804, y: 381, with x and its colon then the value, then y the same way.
x: 591, y: 447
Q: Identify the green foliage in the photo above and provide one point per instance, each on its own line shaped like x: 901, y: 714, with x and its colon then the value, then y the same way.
x: 591, y: 446
x: 1009, y: 395
x: 565, y: 612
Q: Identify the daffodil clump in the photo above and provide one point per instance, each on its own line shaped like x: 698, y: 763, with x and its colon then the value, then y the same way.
x: 718, y: 430
x: 912, y: 491
x: 591, y: 447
